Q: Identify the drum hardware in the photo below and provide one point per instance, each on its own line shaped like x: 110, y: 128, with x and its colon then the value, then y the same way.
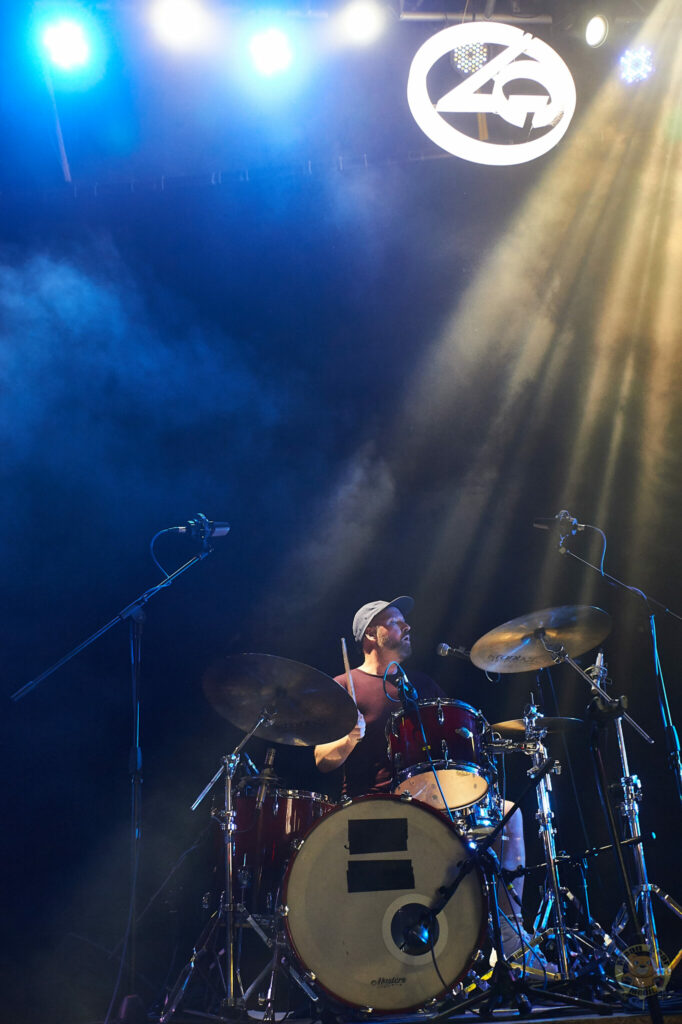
x: 602, y: 709
x: 508, y: 983
x: 643, y: 889
x: 281, y: 701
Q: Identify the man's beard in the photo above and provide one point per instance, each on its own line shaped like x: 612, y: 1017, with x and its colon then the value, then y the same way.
x: 401, y: 648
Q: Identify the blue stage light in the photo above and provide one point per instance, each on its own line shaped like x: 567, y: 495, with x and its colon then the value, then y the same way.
x: 636, y: 65
x: 270, y: 51
x: 66, y: 44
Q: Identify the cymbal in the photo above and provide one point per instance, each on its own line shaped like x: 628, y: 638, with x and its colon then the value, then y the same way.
x: 307, y: 706
x: 517, y: 646
x: 549, y: 725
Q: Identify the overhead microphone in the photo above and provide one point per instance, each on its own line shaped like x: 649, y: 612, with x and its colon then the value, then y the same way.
x: 563, y: 519
x: 446, y: 651
x: 200, y: 528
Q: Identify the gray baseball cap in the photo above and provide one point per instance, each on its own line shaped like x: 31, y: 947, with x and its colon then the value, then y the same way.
x: 364, y: 615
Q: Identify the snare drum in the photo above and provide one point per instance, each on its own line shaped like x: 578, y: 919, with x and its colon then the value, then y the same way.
x: 445, y: 734
x: 263, y: 841
x: 359, y: 882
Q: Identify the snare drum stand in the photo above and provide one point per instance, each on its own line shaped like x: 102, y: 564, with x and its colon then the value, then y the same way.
x: 226, y: 911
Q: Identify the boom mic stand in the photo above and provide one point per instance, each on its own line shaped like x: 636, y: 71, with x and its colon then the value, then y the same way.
x: 134, y: 614
x: 568, y: 527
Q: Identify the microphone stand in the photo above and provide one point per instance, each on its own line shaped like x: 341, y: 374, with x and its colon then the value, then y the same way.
x: 672, y: 741
x: 134, y: 614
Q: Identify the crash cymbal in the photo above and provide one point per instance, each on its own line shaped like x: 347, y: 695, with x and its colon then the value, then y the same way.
x: 308, y: 707
x: 517, y: 646
x: 549, y: 725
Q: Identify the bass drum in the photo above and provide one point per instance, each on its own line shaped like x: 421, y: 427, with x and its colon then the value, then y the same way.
x: 359, y: 882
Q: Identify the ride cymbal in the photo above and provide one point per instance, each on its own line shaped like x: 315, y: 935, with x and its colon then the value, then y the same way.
x: 307, y: 706
x: 519, y: 645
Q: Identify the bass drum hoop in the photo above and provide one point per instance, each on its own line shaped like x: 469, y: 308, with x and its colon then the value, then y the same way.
x: 297, y: 904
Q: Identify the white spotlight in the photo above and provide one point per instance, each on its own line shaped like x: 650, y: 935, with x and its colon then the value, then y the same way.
x: 181, y: 24
x: 66, y: 44
x: 270, y: 51
x: 362, y: 21
x: 596, y: 30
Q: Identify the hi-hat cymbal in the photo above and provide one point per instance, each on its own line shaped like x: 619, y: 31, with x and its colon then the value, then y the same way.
x: 517, y: 646
x: 307, y: 706
x: 515, y: 726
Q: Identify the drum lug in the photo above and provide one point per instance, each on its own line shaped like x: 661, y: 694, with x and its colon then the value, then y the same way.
x: 444, y: 749
x: 406, y: 797
x: 346, y: 801
x: 440, y: 714
x: 296, y: 844
x: 283, y: 911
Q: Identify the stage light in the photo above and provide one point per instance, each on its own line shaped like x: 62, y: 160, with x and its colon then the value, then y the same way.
x: 66, y: 44
x: 636, y: 65
x: 181, y: 24
x: 468, y: 59
x: 596, y: 30
x: 361, y: 22
x: 270, y: 51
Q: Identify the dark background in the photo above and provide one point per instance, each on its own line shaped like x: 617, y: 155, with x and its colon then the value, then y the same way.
x: 380, y: 370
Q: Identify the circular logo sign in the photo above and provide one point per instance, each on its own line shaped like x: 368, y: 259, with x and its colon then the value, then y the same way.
x: 490, y: 90
x: 635, y: 972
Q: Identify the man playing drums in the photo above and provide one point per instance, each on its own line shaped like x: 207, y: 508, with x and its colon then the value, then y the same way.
x: 383, y: 635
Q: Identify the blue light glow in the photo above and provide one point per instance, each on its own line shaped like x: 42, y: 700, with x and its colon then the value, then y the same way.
x: 636, y: 65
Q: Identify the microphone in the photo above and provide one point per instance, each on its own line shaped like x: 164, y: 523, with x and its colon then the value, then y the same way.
x: 202, y: 529
x: 266, y: 774
x: 562, y: 519
x: 446, y: 651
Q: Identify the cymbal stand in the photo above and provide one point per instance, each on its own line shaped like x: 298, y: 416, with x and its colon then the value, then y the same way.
x: 551, y: 901
x: 226, y: 911
x: 643, y: 889
x: 603, y: 709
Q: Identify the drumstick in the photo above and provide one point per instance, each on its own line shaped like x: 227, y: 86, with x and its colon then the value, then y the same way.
x: 346, y: 665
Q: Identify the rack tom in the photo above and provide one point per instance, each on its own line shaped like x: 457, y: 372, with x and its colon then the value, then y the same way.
x: 445, y: 735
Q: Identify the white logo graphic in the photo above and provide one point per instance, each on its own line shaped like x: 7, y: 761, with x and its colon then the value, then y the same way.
x: 524, y: 58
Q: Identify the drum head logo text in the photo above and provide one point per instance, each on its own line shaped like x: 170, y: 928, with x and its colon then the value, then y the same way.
x: 523, y: 81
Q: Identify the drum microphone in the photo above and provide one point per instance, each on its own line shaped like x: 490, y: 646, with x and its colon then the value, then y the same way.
x: 446, y: 651
x: 201, y: 528
x: 266, y: 775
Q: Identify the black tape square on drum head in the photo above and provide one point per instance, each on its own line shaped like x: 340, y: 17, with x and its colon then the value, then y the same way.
x: 379, y: 875
x: 377, y: 835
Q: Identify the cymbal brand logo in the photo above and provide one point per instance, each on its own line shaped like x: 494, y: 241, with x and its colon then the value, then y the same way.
x: 542, y: 112
x: 388, y: 981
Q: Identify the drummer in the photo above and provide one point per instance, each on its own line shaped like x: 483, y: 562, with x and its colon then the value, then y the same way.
x: 383, y: 636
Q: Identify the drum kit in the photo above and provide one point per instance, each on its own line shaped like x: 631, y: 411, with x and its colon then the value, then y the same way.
x: 389, y: 904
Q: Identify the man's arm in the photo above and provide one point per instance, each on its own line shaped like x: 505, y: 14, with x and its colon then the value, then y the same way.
x: 329, y: 756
